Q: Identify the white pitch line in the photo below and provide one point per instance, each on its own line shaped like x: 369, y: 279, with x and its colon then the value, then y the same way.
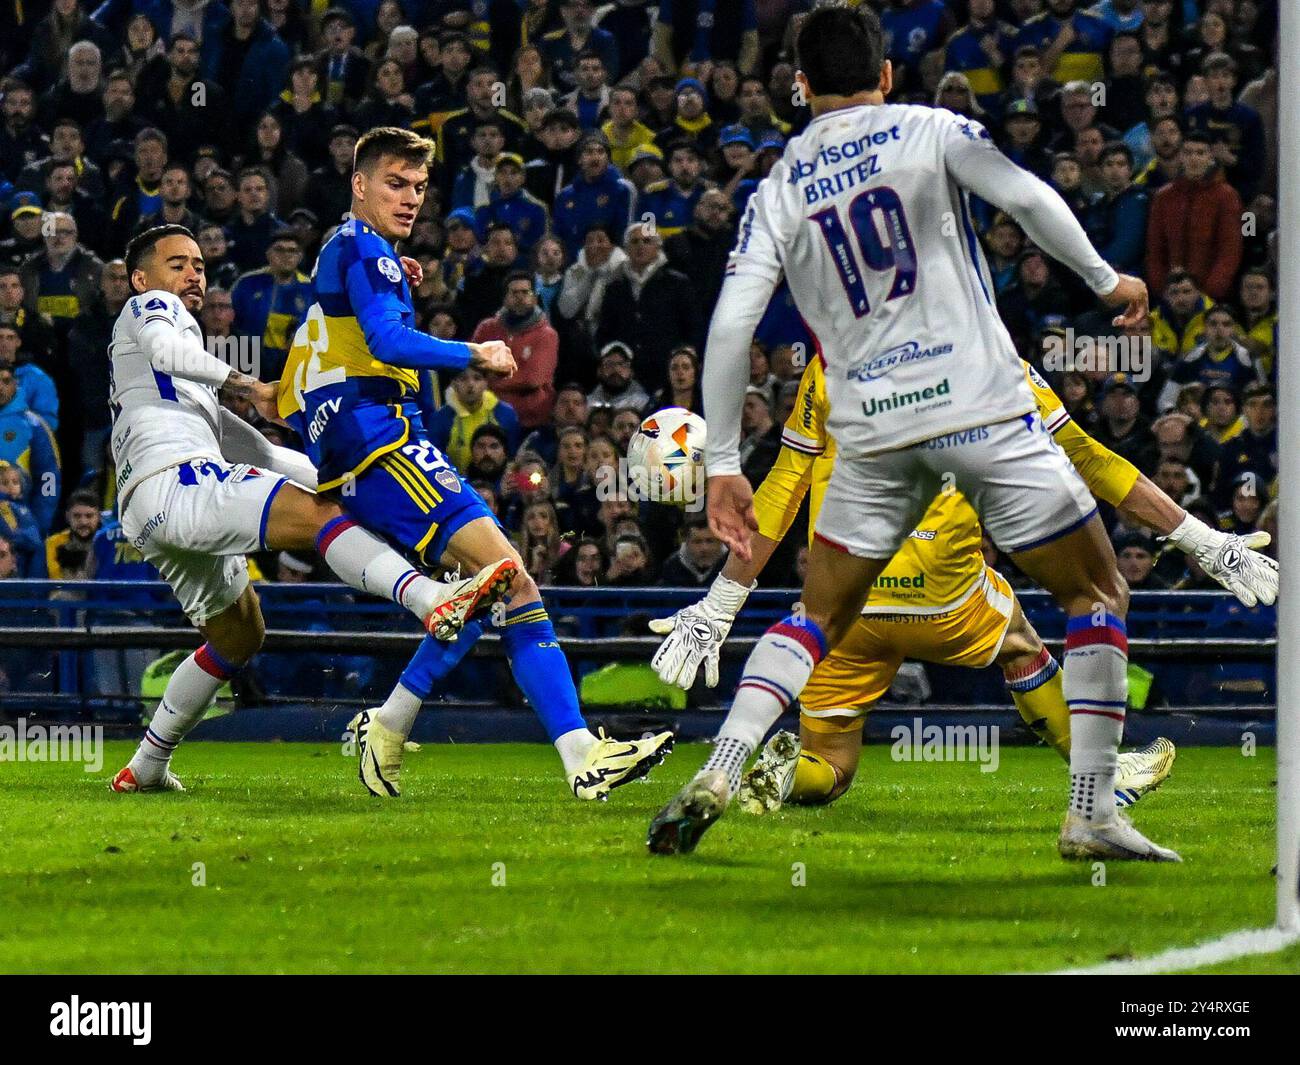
x: 1214, y: 952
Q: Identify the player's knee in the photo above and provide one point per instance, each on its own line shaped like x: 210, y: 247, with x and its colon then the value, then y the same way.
x: 523, y: 588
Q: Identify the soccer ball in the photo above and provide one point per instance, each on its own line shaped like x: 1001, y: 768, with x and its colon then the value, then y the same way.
x: 665, y: 457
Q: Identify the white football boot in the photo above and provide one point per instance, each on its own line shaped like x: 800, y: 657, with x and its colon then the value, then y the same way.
x: 768, y: 782
x: 1142, y: 771
x: 1115, y: 839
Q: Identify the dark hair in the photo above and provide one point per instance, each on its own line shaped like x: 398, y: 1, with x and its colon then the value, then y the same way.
x: 141, y: 245
x: 518, y: 275
x: 83, y: 497
x: 588, y: 53
x: 391, y: 140
x: 492, y: 430
x: 1178, y: 275
x: 1117, y: 148
x: 841, y: 51
x: 497, y: 227
x: 1256, y: 389
x: 1196, y: 136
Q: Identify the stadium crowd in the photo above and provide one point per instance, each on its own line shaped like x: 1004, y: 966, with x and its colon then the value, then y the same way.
x: 562, y: 127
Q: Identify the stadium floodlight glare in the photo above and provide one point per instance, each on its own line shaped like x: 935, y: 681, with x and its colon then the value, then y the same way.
x: 1288, y: 363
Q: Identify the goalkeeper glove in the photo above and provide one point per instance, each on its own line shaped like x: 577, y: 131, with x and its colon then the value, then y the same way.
x: 695, y: 634
x: 1229, y: 559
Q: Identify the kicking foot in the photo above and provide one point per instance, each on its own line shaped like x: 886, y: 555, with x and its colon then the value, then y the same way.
x: 677, y: 828
x: 612, y: 763
x: 767, y: 783
x: 469, y: 598
x: 1115, y: 839
x: 127, y: 781
x: 1143, y: 770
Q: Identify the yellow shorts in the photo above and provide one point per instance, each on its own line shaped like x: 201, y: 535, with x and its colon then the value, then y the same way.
x: 860, y: 670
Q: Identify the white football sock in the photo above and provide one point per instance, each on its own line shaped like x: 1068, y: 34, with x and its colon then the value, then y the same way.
x: 400, y: 710
x: 574, y: 746
x: 368, y: 564
x: 1095, y: 684
x: 188, y: 695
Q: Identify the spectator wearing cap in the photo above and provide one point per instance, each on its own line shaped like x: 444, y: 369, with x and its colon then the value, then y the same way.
x: 25, y: 221
x: 270, y: 303
x: 671, y: 203
x: 980, y: 50
x: 27, y: 443
x: 1022, y: 144
x: 176, y: 97
x: 624, y: 130
x: 343, y: 68
x: 1254, y: 450
x: 598, y: 194
x: 1219, y: 359
x: 1135, y: 554
x: 648, y: 305
x: 1178, y: 320
x: 691, y: 120
x: 617, y: 387
x: 1236, y: 127
x: 580, y: 34
x: 457, y: 134
x: 700, y: 251
x: 251, y: 230
x: 474, y: 181
x: 1072, y: 41
x: 471, y: 405
x: 524, y: 327
x: 34, y: 384
x: 1196, y: 223
x: 695, y: 34
x: 736, y: 171
x: 512, y: 204
x: 646, y: 167
x: 550, y: 171
x: 481, y: 292
x: 1116, y: 221
x: 1122, y: 427
x: 22, y: 141
x: 462, y: 256
x: 583, y: 291
x: 18, y: 527
x: 64, y: 277
x: 329, y: 189
x: 591, y: 98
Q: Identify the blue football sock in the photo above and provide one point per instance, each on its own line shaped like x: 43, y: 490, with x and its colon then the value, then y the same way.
x: 434, y: 659
x: 541, y: 669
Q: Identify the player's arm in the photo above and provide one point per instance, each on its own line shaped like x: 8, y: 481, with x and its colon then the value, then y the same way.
x: 753, y: 270
x: 240, y: 442
x: 976, y: 164
x: 374, y: 291
x: 177, y: 354
x: 1230, y: 560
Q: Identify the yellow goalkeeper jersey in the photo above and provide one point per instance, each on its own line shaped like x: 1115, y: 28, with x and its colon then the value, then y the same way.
x: 940, y: 561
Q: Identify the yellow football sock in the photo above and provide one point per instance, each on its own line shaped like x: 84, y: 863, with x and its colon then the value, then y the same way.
x: 1044, y: 711
x: 814, y: 780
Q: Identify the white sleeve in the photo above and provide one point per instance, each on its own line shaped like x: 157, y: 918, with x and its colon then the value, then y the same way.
x: 157, y: 316
x: 753, y: 271
x: 975, y: 163
x: 240, y: 442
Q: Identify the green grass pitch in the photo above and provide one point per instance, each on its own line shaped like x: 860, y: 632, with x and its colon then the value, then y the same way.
x: 276, y: 861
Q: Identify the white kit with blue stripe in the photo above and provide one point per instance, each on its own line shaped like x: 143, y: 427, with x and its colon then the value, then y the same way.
x: 867, y: 215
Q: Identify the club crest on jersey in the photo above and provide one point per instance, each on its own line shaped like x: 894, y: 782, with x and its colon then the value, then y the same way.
x: 389, y: 269
x: 156, y: 304
x: 902, y: 355
x: 448, y: 480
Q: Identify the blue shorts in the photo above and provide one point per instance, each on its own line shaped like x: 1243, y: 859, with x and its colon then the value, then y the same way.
x: 415, y: 498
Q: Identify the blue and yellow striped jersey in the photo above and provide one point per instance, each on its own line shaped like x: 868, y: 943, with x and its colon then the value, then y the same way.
x: 354, y: 364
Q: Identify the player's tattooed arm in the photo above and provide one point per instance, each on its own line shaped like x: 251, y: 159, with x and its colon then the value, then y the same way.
x: 263, y: 395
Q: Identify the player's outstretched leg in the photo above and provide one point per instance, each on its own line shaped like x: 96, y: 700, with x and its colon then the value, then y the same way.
x: 1079, y: 569
x: 594, y: 765
x: 233, y: 637
x: 774, y: 675
x: 300, y: 520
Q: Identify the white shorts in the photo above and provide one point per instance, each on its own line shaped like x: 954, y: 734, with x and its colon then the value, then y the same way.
x: 1014, y: 474
x: 196, y: 522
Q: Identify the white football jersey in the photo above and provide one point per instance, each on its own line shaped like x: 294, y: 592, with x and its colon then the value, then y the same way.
x: 159, y: 419
x: 865, y: 217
